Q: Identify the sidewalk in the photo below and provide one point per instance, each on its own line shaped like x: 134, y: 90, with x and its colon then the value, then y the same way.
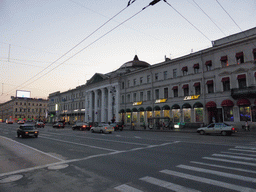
x: 183, y: 130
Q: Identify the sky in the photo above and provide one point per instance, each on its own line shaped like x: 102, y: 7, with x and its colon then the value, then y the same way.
x: 57, y: 45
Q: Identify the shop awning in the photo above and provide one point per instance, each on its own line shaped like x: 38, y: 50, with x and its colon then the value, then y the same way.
x: 174, y: 87
x: 134, y: 110
x: 224, y: 79
x: 128, y: 110
x: 166, y: 107
x: 157, y: 108
x: 121, y: 111
x: 184, y: 68
x: 149, y: 108
x: 196, y: 65
x: 197, y: 84
x: 243, y: 102
x: 224, y: 58
x: 227, y: 103
x: 141, y: 109
x: 243, y: 76
x: 210, y: 104
x: 186, y: 105
x: 240, y: 54
x: 198, y: 105
x: 209, y: 82
x: 208, y: 62
x: 175, y: 106
x: 185, y: 86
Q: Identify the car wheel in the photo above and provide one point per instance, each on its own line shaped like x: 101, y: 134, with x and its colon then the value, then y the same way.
x: 101, y: 131
x: 202, y: 132
x: 92, y: 130
x: 224, y: 133
x: 18, y: 135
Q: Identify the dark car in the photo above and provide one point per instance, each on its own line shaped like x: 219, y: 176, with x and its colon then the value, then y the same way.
x: 81, y: 126
x: 27, y: 130
x: 118, y: 126
x: 58, y: 125
x: 39, y: 124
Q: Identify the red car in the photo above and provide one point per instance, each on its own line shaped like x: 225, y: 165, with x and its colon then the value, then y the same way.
x: 39, y: 124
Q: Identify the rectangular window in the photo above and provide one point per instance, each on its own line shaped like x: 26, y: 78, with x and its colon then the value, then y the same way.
x: 208, y: 65
x: 175, y: 73
x: 148, y: 78
x: 141, y: 80
x: 122, y: 98
x: 242, y: 83
x: 122, y: 85
x: 134, y: 82
x: 184, y: 70
x: 166, y: 93
x: 198, y: 90
x: 128, y: 98
x: 156, y: 76
x: 240, y: 58
x: 254, y: 54
x: 196, y: 68
x: 165, y: 75
x: 128, y: 83
x: 157, y: 94
x: 134, y: 97
x: 224, y: 61
x: 148, y: 95
x: 210, y: 88
x: 175, y: 93
x: 226, y: 85
x: 141, y: 96
x: 186, y: 91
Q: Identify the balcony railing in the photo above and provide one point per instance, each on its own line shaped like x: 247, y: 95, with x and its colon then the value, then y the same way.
x: 247, y: 92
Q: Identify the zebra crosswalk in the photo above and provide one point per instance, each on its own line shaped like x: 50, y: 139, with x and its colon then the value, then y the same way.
x: 232, y: 170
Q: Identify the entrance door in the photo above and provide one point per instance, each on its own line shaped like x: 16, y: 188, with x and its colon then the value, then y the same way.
x: 219, y: 118
x: 212, y: 115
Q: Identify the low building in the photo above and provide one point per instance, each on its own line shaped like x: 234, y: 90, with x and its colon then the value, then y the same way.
x: 29, y: 109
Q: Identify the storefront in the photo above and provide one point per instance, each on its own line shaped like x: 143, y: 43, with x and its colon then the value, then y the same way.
x: 186, y: 109
x: 244, y: 109
x: 228, y: 110
x: 212, y: 111
x: 198, y: 112
x: 176, y: 113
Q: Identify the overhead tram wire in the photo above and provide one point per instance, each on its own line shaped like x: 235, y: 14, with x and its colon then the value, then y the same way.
x: 150, y: 4
x: 129, y: 3
x: 209, y: 18
x: 186, y: 20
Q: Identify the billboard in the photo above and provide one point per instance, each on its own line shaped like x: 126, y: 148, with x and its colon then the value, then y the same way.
x: 25, y: 94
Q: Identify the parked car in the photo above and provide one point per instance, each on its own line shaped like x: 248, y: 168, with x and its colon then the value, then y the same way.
x: 102, y: 128
x: 58, y: 125
x: 39, y: 124
x: 27, y: 130
x: 9, y: 121
x: 217, y: 128
x: 21, y: 122
x: 118, y: 126
x: 81, y: 126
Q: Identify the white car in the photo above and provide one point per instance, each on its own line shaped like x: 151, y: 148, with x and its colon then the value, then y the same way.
x: 217, y: 128
x: 103, y: 128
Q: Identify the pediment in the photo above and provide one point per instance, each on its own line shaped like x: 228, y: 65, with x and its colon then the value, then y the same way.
x: 97, y: 77
x: 224, y: 73
x: 240, y: 70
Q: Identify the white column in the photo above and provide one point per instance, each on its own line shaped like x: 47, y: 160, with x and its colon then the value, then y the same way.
x: 95, y: 106
x: 117, y: 103
x: 103, y: 104
x: 109, y: 104
x: 86, y: 112
x: 90, y: 107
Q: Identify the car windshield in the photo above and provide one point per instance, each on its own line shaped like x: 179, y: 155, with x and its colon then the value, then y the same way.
x: 226, y: 124
x: 103, y: 125
x: 27, y: 128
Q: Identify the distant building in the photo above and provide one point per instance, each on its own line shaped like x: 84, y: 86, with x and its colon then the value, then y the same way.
x: 217, y: 84
x: 19, y: 108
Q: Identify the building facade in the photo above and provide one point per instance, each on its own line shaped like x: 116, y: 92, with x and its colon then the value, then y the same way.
x: 217, y: 84
x: 29, y: 109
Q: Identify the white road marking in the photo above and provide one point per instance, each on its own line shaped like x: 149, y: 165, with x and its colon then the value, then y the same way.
x: 251, y: 151
x: 224, y: 167
x: 245, y: 147
x: 219, y: 173
x: 208, y: 181
x: 32, y: 148
x: 167, y: 185
x: 91, y: 146
x: 245, y: 154
x: 137, y: 137
x: 126, y: 188
x: 235, y: 157
x: 230, y: 161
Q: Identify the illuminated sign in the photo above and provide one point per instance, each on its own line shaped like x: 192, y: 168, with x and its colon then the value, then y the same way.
x: 161, y: 100
x: 191, y: 97
x: 56, y: 107
x: 137, y: 103
x: 25, y: 94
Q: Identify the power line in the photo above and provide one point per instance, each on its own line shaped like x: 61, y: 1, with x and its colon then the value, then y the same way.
x: 186, y: 19
x: 209, y: 17
x: 151, y: 4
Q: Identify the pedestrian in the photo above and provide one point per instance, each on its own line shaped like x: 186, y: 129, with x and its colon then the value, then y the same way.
x: 133, y: 125
x: 247, y: 126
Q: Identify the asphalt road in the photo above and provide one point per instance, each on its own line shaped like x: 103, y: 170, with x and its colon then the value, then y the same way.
x: 67, y: 160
